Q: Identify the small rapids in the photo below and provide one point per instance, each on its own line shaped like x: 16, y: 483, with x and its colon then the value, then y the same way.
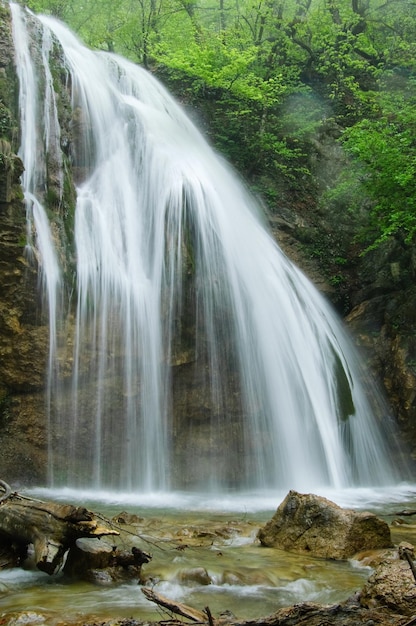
x: 201, y: 557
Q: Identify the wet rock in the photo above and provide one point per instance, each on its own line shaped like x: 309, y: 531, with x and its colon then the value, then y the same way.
x: 232, y: 578
x: 392, y: 584
x: 88, y: 554
x: 349, y: 613
x: 28, y: 617
x: 314, y: 526
x: 127, y: 518
x: 198, y: 575
x: 100, y: 577
x: 246, y: 576
x: 102, y: 563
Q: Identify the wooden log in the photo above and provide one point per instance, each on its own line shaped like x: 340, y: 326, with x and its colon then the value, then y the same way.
x: 5, y: 488
x: 174, y: 607
x: 51, y: 527
x: 405, y: 512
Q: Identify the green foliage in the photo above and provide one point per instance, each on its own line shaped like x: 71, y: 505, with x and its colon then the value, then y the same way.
x: 384, y: 161
x: 216, y: 65
x: 6, y: 122
x: 269, y: 73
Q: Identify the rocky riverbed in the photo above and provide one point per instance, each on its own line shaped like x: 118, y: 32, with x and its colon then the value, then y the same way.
x: 215, y: 560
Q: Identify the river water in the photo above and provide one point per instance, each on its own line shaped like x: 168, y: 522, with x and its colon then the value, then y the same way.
x: 184, y: 532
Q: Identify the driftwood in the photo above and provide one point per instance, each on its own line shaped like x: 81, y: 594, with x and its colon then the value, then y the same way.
x: 348, y: 613
x: 406, y: 553
x: 6, y: 491
x: 52, y: 528
x: 175, y: 607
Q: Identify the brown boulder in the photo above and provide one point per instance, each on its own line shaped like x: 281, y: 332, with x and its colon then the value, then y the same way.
x: 312, y: 525
x: 392, y: 584
x: 102, y: 563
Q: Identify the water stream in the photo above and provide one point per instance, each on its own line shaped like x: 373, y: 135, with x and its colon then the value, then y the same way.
x: 184, y: 532
x: 186, y: 351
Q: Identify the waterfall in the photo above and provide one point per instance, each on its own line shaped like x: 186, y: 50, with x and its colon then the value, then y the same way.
x: 193, y: 353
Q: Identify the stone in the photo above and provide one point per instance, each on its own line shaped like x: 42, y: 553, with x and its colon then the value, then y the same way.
x: 127, y: 518
x: 312, y: 525
x: 392, y: 585
x: 104, y: 563
x: 196, y: 575
x: 27, y: 618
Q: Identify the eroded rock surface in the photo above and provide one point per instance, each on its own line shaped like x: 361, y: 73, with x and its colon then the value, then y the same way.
x: 392, y: 584
x: 313, y: 525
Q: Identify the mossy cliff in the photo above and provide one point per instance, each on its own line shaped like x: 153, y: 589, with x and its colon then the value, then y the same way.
x: 23, y: 329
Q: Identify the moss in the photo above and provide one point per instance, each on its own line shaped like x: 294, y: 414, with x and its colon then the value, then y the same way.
x: 8, y: 81
x: 4, y: 406
x: 345, y: 402
x: 6, y: 120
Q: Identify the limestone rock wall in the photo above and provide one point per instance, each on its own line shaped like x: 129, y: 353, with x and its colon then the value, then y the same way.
x: 374, y: 292
x: 23, y: 352
x: 23, y: 328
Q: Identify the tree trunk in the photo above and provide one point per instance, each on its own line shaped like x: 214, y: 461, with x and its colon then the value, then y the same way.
x: 52, y: 528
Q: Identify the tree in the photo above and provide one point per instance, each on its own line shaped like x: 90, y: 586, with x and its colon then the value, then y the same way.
x: 384, y: 162
x: 271, y: 72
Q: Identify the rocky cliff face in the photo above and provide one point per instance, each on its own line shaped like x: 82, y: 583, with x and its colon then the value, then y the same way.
x: 374, y: 292
x: 23, y: 328
x: 378, y: 299
x: 381, y: 309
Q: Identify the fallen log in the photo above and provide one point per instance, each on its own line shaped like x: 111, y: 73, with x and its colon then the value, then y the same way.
x: 175, y: 607
x: 348, y: 613
x: 406, y: 552
x: 6, y: 490
x: 52, y: 528
x: 406, y: 512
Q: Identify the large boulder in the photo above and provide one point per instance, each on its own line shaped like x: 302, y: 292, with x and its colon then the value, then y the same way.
x: 312, y: 525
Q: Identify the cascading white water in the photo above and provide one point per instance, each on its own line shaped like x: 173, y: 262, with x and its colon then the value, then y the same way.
x: 33, y: 150
x: 201, y: 356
